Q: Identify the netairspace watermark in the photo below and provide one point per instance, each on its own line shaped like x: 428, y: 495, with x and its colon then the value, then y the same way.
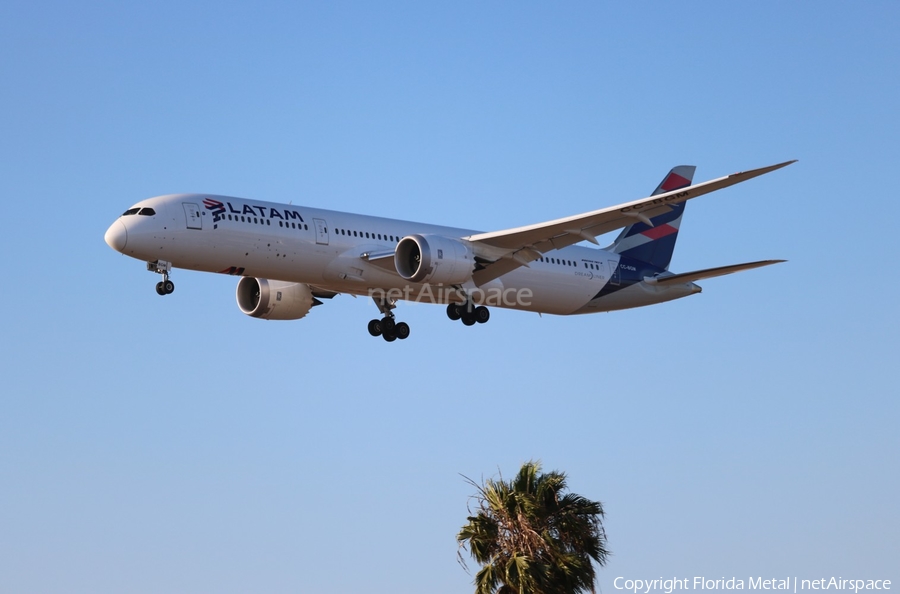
x: 786, y: 584
x: 428, y: 293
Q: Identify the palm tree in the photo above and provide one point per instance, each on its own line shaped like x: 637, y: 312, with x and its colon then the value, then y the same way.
x: 532, y: 538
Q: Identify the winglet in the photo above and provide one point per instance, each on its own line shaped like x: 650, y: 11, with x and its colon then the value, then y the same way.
x: 762, y: 170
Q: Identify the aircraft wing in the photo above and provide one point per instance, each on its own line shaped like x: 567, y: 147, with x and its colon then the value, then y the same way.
x: 499, y: 252
x: 685, y: 277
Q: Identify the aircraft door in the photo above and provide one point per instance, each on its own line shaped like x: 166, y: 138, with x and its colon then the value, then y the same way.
x: 321, y: 231
x: 614, y: 278
x: 192, y: 215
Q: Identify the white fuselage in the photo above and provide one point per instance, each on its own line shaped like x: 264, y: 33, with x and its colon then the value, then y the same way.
x: 327, y: 250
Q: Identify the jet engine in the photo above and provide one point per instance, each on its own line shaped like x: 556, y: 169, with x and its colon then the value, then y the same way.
x: 274, y: 300
x: 433, y: 258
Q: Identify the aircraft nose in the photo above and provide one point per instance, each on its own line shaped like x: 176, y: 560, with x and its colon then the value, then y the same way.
x: 116, y: 236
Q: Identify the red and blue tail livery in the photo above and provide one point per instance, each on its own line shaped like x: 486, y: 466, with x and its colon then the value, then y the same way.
x: 290, y: 257
x: 654, y: 243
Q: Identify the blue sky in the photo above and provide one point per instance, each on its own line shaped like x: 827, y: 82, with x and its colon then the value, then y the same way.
x: 175, y: 445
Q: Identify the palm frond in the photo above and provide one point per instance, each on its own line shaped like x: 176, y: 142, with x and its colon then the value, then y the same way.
x: 531, y: 536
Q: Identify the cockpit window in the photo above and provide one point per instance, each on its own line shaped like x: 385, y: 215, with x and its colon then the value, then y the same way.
x: 130, y: 211
x: 147, y: 212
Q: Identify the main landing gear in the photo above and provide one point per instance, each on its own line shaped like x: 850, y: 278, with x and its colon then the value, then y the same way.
x: 165, y: 286
x: 387, y: 327
x: 468, y: 313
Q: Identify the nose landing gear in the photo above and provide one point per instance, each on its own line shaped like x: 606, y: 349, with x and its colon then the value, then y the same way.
x: 165, y: 286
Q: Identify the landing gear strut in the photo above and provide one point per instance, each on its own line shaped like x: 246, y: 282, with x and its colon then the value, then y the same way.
x: 468, y: 313
x: 387, y: 327
x: 165, y: 286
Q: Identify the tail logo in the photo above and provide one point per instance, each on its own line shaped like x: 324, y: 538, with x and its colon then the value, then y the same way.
x: 674, y: 182
x: 659, y: 232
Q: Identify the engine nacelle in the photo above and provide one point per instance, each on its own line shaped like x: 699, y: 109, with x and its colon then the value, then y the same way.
x: 434, y: 258
x: 274, y: 300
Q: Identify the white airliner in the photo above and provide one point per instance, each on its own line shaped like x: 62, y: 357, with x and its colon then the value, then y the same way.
x: 291, y: 257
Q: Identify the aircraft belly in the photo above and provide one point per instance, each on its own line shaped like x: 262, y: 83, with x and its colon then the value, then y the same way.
x: 559, y: 293
x: 638, y: 295
x: 273, y: 258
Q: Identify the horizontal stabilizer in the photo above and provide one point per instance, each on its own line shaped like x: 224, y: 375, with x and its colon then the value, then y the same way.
x: 686, y: 277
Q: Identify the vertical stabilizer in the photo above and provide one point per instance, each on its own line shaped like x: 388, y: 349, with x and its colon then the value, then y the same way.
x: 655, y: 244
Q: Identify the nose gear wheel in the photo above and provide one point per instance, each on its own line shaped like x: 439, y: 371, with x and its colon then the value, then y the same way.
x: 165, y: 286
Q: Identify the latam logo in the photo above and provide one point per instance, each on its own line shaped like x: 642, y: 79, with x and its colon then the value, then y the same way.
x: 215, y: 206
x: 218, y: 209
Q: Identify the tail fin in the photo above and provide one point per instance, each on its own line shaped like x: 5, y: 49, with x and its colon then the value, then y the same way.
x: 655, y: 244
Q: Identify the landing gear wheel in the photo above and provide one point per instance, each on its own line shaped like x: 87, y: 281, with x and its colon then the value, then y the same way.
x: 402, y: 330
x: 453, y: 312
x: 387, y: 325
x: 160, y: 288
x: 468, y: 319
x: 168, y: 287
x: 482, y: 314
x: 389, y: 336
x: 375, y: 327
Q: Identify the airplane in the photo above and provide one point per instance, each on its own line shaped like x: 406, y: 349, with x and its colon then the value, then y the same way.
x: 290, y: 258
